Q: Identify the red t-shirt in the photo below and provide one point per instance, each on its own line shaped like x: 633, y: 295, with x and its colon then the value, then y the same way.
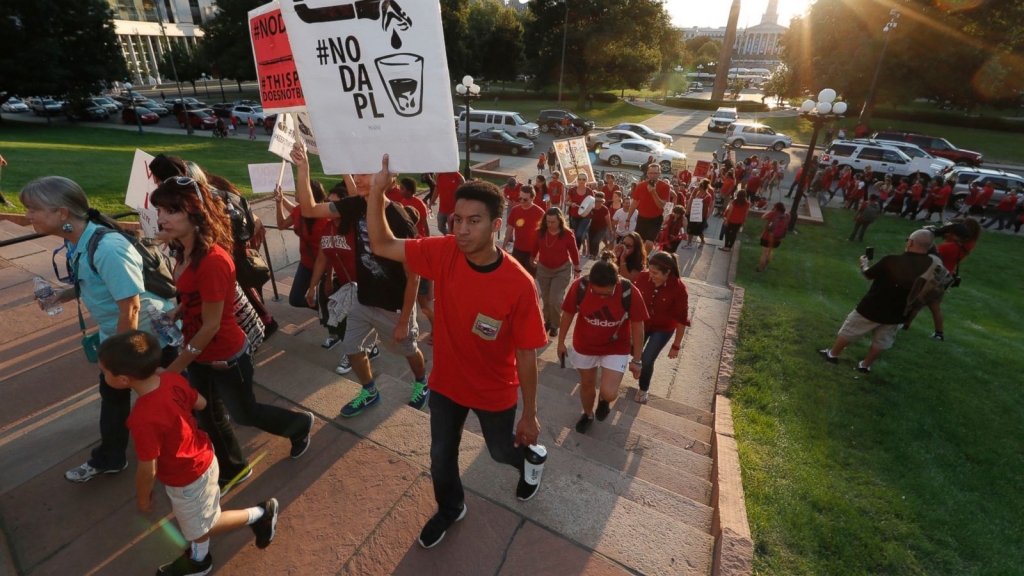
x: 685, y: 177
x: 753, y: 184
x: 645, y: 205
x: 480, y: 319
x: 525, y: 222
x: 554, y: 251
x: 826, y: 179
x: 942, y: 196
x: 1007, y: 204
x: 728, y: 184
x: 916, y: 191
x: 575, y: 197
x: 609, y: 192
x: 900, y: 191
x: 555, y: 190
x: 164, y: 429
x: 447, y: 183
x: 667, y: 305
x: 512, y: 193
x: 599, y: 218
x: 952, y: 253
x: 422, y: 225
x: 738, y: 215
x: 600, y: 319
x: 985, y: 196
x: 308, y: 247
x: 540, y: 191
x: 214, y: 281
x: 393, y: 193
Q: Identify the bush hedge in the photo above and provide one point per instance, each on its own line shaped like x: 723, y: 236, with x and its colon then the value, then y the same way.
x: 712, y: 105
x: 947, y: 119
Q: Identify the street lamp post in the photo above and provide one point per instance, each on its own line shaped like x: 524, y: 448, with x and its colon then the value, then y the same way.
x: 869, y: 106
x: 205, y: 85
x: 565, y: 35
x: 469, y: 92
x: 135, y: 112
x: 819, y: 113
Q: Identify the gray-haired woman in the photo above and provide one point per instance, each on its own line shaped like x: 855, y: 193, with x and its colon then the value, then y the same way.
x: 111, y: 288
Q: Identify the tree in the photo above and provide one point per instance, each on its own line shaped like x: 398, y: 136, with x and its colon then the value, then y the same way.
x: 226, y: 45
x: 58, y: 47
x: 455, y: 25
x: 189, y: 65
x: 503, y: 53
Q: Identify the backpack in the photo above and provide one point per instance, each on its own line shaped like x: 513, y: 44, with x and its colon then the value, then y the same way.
x: 243, y: 225
x: 156, y: 273
x: 871, y: 212
x: 627, y: 295
x: 929, y: 287
x: 778, y: 226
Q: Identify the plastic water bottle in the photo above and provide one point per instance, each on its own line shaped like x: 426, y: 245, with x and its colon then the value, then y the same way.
x: 45, y: 294
x: 535, y: 458
x: 164, y: 327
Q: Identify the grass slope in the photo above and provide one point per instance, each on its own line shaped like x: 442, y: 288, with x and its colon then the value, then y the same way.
x: 913, y: 469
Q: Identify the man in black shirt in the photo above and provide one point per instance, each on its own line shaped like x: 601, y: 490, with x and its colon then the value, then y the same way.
x: 386, y: 289
x: 883, y: 309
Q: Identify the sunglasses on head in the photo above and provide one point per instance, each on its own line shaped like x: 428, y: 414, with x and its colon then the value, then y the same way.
x: 186, y: 181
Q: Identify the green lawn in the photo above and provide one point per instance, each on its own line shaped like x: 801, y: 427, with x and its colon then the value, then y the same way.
x: 913, y: 469
x: 998, y: 147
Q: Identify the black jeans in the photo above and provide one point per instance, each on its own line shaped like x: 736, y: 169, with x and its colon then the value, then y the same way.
x: 230, y: 392
x: 654, y: 343
x: 859, y: 228
x: 731, y: 231
x: 446, y: 422
x: 115, y: 406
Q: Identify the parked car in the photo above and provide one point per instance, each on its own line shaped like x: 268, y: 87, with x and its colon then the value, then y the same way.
x: 14, y: 104
x: 611, y: 136
x: 722, y: 119
x: 244, y: 103
x: 159, y: 109
x: 962, y: 177
x: 499, y: 141
x: 187, y: 100
x: 549, y: 118
x: 511, y: 122
x: 243, y: 113
x: 177, y: 108
x: 201, y: 119
x: 109, y: 104
x: 222, y: 110
x: 85, y: 110
x: 741, y: 134
x: 44, y: 106
x: 645, y: 132
x: 934, y: 145
x: 883, y: 158
x: 912, y: 150
x: 636, y: 153
x: 145, y: 116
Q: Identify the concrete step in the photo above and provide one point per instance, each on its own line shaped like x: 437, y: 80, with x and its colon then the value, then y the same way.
x: 580, y: 496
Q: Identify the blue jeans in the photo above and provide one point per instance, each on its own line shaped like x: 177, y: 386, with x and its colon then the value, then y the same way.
x: 447, y: 419
x: 297, y: 296
x: 442, y: 223
x: 580, y: 227
x: 115, y: 406
x: 654, y: 342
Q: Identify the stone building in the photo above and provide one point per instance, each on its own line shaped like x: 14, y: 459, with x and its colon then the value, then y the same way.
x: 137, y: 24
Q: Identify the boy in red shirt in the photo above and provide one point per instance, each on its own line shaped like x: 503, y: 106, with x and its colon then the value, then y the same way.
x: 171, y: 448
x: 485, y: 343
x: 939, y: 198
x: 650, y: 197
x: 523, y: 222
x: 447, y: 182
x: 916, y: 192
x: 556, y: 190
x: 984, y: 197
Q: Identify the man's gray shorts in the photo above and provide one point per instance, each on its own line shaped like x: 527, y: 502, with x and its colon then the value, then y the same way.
x: 364, y: 319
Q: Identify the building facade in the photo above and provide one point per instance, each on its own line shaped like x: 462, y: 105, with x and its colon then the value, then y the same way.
x: 757, y: 46
x: 143, y: 43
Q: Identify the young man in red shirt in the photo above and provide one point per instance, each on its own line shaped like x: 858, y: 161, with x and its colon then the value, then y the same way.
x: 486, y: 338
x: 511, y: 192
x: 650, y: 198
x: 1004, y: 211
x: 939, y: 201
x: 984, y: 197
x: 444, y: 190
x: 407, y: 197
x: 523, y: 222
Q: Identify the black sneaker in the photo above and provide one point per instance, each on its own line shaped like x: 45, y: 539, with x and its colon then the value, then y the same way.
x: 299, y: 446
x: 583, y: 424
x: 525, y: 490
x: 603, y: 408
x: 827, y: 355
x: 226, y: 485
x: 372, y: 353
x: 435, y: 529
x: 553, y: 332
x: 265, y: 527
x: 862, y: 368
x: 939, y: 336
x: 186, y: 566
x: 420, y: 394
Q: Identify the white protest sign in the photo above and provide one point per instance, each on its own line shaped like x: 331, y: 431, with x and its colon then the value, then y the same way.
x: 375, y: 81
x: 286, y: 127
x: 140, y: 185
x: 573, y: 158
x: 264, y: 177
x: 697, y: 210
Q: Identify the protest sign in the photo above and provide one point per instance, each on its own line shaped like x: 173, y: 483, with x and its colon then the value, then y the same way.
x: 264, y: 177
x: 573, y: 158
x: 280, y: 89
x: 702, y: 170
x: 140, y: 185
x: 286, y: 128
x: 375, y: 81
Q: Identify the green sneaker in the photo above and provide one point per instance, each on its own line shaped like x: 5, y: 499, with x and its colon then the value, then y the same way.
x: 365, y: 399
x: 420, y: 393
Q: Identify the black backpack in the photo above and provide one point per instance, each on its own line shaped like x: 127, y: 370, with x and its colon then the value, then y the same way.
x: 156, y: 273
x: 626, y: 290
x: 243, y: 225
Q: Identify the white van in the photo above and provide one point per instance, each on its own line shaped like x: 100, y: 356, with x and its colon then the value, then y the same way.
x: 511, y: 122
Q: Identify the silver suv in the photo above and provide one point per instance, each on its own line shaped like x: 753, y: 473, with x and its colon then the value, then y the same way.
x: 962, y: 177
x: 912, y: 150
x: 722, y: 119
x: 882, y: 157
x: 741, y: 134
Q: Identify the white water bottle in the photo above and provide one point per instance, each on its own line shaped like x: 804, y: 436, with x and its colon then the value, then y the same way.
x: 534, y: 465
x: 45, y: 294
x: 164, y: 327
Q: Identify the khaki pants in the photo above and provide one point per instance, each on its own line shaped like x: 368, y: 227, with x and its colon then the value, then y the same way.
x: 553, y: 284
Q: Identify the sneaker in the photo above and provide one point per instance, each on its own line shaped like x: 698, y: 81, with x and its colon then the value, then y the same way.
x: 227, y: 485
x: 583, y: 424
x: 299, y: 446
x: 525, y: 490
x: 186, y: 566
x: 553, y: 332
x: 435, y: 529
x: 365, y: 399
x: 862, y: 368
x: 603, y: 408
x: 269, y: 329
x: 344, y: 366
x: 939, y: 336
x: 827, y: 355
x: 84, y: 473
x: 265, y: 527
x: 420, y: 393
x: 372, y: 353
x: 330, y: 342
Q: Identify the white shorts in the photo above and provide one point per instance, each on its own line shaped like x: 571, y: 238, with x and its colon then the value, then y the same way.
x: 197, y: 506
x: 614, y: 362
x: 856, y: 326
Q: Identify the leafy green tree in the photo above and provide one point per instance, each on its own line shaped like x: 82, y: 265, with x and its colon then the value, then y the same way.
x: 226, y: 45
x: 58, y: 47
x: 455, y: 25
x: 503, y: 53
x: 189, y: 65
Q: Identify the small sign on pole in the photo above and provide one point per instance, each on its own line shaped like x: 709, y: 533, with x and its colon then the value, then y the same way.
x: 265, y: 176
x: 140, y: 185
x: 573, y: 158
x: 287, y: 129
